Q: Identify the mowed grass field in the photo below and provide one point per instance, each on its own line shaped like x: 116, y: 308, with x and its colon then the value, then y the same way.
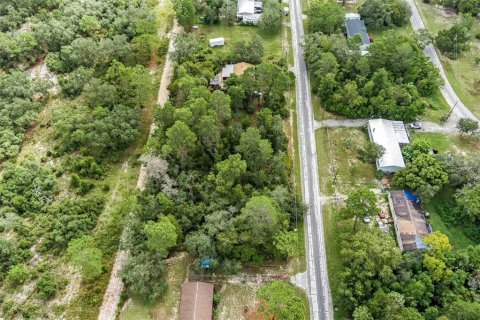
x: 463, y: 73
x: 272, y: 43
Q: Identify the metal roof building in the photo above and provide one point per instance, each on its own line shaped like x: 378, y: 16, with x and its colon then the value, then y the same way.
x: 249, y: 10
x: 196, y: 301
x: 357, y: 26
x: 390, y: 135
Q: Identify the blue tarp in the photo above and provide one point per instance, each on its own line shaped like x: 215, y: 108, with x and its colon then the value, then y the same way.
x: 205, y: 263
x: 410, y: 196
x: 419, y: 243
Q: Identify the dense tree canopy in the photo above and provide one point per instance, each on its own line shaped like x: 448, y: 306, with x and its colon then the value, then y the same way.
x: 425, y: 174
x: 389, y: 82
x: 325, y: 16
x: 385, y: 13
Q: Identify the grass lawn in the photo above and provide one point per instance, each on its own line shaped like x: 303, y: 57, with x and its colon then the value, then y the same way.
x: 448, y: 143
x: 454, y: 233
x: 334, y: 266
x: 272, y: 43
x: 239, y: 301
x: 463, y: 74
x: 337, y: 156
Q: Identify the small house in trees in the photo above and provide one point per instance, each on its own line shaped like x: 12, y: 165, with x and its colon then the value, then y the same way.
x: 390, y: 135
x: 355, y: 25
x: 249, y: 11
x: 196, y: 301
x: 216, y: 42
x: 227, y: 71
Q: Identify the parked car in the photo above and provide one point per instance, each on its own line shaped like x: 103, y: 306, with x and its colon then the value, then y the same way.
x: 417, y: 125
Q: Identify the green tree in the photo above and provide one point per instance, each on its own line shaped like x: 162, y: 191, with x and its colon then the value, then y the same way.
x: 463, y: 310
x: 228, y: 11
x: 247, y: 51
x: 185, y: 12
x: 415, y: 148
x: 454, y: 40
x: 371, y: 152
x: 362, y: 313
x: 385, y: 13
x: 220, y: 103
x: 86, y: 256
x: 144, y: 276
x: 181, y: 142
x: 256, y: 151
x: 325, y: 16
x: 468, y: 202
x: 134, y: 84
x: 370, y: 258
x: 467, y: 125
x: 187, y: 45
x: 272, y: 16
x: 260, y: 219
x: 287, y: 242
x: 469, y: 6
x: 423, y: 38
x: 437, y: 241
x: 161, y: 235
x: 280, y: 301
x: 425, y: 174
x: 230, y: 172
x: 362, y: 202
x: 89, y: 25
x: 145, y: 47
x: 437, y: 268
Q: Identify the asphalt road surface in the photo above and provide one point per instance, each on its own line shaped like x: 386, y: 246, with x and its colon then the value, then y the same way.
x: 451, y: 97
x: 317, y: 278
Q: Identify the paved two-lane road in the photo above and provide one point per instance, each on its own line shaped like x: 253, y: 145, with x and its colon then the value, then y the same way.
x: 449, y: 94
x: 317, y: 278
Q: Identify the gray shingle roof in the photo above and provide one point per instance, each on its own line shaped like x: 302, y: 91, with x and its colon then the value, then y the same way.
x: 357, y: 26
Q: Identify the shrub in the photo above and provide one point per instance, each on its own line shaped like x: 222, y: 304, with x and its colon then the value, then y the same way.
x: 85, y: 186
x: 17, y: 275
x: 47, y: 286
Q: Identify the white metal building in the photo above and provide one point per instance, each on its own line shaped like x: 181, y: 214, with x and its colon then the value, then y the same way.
x: 249, y: 11
x: 390, y: 135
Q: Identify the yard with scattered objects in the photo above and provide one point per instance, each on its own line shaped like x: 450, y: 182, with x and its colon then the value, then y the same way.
x: 456, y: 144
x: 450, y: 143
x: 463, y: 73
x: 340, y: 169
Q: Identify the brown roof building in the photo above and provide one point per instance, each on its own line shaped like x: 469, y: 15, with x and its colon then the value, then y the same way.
x: 196, y: 301
x: 410, y: 223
